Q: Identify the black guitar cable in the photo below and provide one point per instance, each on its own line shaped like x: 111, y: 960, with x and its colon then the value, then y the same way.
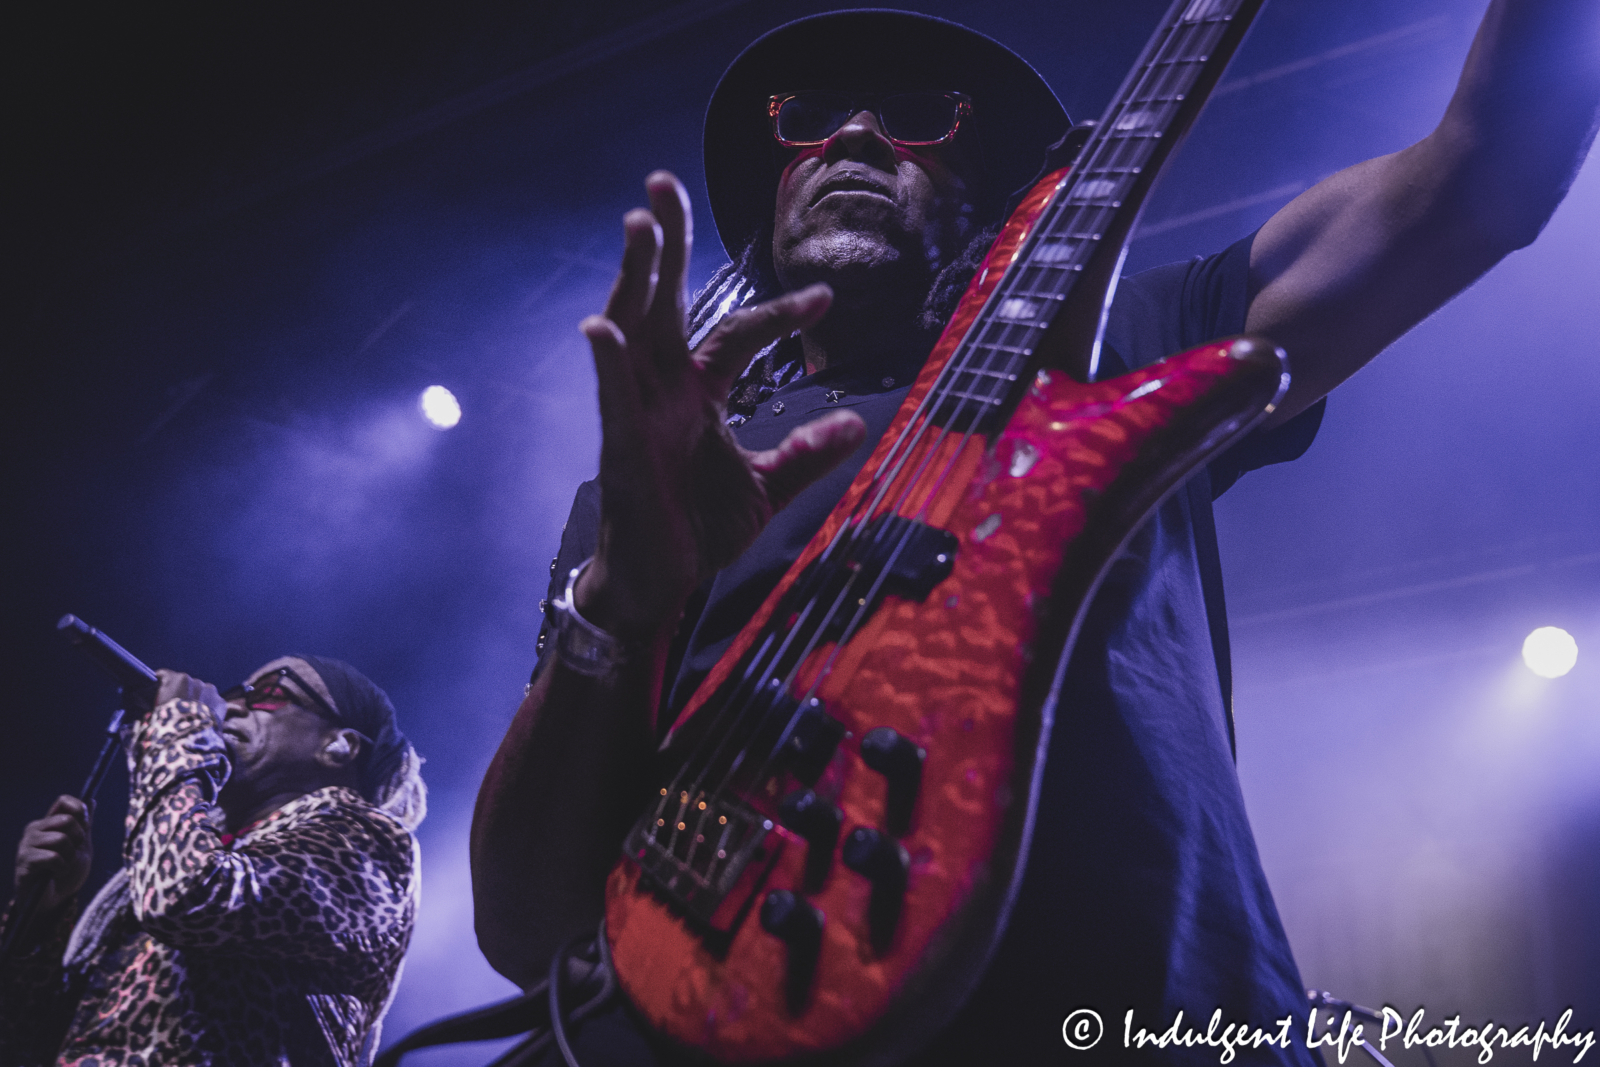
x: 608, y: 989
x: 538, y: 1013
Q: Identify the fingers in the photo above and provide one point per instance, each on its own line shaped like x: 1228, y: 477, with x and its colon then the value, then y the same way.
x: 730, y: 347
x: 621, y: 414
x: 807, y: 454
x: 34, y: 861
x: 69, y: 805
x: 55, y: 842
x: 213, y: 702
x: 171, y: 685
x: 175, y: 685
x: 64, y: 830
x: 669, y: 202
x: 51, y: 844
x: 635, y: 287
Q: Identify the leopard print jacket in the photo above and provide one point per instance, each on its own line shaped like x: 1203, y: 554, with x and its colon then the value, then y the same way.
x: 281, y: 946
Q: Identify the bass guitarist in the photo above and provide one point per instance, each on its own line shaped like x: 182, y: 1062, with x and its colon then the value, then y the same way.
x: 857, y: 164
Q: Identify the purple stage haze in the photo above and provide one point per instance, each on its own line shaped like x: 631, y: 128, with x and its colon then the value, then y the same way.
x: 224, y: 325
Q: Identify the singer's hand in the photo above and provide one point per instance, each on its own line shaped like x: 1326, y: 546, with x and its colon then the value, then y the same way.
x: 175, y: 685
x: 57, y: 847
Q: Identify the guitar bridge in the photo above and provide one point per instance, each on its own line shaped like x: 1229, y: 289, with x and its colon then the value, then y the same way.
x: 705, y: 853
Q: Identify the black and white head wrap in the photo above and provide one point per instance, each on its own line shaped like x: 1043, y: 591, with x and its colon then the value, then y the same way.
x: 389, y: 768
x: 365, y: 708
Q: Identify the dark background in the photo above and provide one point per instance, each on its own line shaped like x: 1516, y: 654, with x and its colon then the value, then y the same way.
x: 244, y: 238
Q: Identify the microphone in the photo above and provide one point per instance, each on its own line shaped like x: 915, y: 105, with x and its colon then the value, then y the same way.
x: 139, y: 687
x: 138, y: 682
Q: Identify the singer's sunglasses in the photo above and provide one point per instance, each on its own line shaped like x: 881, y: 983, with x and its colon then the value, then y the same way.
x: 268, y: 693
x: 810, y: 117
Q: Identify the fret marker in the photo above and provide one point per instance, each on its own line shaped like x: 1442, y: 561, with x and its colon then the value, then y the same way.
x: 1023, y: 457
x: 1094, y: 190
x: 1053, y: 251
x: 1203, y: 9
x: 1017, y: 308
x: 1135, y: 119
x: 1144, y: 390
x: 984, y: 529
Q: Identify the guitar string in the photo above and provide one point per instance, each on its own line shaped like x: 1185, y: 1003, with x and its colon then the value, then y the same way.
x: 1046, y: 228
x: 1117, y: 147
x: 866, y: 603
x: 1043, y: 232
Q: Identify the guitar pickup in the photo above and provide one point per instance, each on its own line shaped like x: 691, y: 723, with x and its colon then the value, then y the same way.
x: 910, y: 557
x: 812, y: 742
x: 913, y: 556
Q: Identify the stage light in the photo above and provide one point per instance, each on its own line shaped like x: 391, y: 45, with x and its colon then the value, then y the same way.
x: 1550, y: 652
x: 440, y: 407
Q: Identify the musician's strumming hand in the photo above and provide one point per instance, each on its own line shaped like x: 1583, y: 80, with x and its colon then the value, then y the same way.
x: 679, y: 497
x: 58, y: 848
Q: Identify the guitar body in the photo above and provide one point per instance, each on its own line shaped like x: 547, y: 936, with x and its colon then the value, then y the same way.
x: 852, y: 940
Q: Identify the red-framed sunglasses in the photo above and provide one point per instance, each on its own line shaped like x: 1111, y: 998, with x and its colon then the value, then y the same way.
x: 917, y: 119
x: 268, y: 693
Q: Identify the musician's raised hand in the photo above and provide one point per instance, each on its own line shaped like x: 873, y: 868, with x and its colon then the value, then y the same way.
x: 679, y: 498
x: 58, y: 848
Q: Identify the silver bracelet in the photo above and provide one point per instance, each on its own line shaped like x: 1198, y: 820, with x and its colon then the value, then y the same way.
x: 583, y: 646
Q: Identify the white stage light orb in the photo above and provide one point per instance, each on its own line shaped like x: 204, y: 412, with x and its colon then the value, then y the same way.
x: 440, y: 407
x: 1550, y: 652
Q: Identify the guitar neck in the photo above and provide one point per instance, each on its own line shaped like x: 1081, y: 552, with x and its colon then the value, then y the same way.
x: 1049, y: 309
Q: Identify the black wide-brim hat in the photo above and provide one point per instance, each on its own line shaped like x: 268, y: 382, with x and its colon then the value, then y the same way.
x: 1015, y: 114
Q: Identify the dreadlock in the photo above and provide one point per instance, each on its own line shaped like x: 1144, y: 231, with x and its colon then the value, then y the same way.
x: 403, y: 794
x: 749, y: 279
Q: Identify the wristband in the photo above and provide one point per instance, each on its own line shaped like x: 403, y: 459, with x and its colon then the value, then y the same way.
x: 581, y: 645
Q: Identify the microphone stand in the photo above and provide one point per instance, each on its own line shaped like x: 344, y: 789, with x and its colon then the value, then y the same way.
x: 135, y: 697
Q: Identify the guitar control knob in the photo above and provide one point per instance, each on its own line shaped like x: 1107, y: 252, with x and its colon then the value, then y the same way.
x: 883, y: 860
x: 798, y: 924
x: 818, y: 822
x: 787, y: 916
x: 899, y: 760
x: 812, y: 742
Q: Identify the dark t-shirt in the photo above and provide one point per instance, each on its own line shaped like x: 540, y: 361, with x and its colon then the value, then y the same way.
x: 1143, y: 887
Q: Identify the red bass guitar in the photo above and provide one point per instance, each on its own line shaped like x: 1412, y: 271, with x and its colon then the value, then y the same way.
x: 845, y: 805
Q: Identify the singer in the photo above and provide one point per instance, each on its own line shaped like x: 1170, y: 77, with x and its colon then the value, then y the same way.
x: 267, y: 891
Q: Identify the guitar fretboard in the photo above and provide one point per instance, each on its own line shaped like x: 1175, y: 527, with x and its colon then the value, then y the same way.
x: 1095, y: 202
